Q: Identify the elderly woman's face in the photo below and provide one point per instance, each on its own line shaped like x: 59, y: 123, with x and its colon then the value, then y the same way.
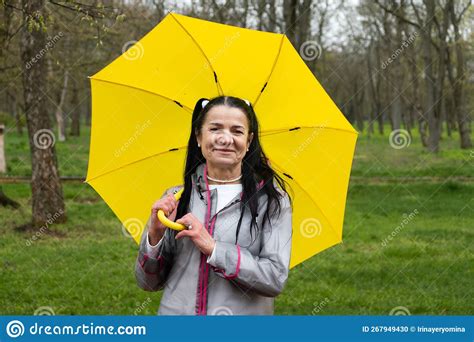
x: 224, y: 136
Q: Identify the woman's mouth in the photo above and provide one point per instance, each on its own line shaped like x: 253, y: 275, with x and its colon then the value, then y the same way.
x: 223, y: 150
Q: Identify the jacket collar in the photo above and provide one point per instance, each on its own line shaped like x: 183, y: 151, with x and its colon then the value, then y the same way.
x: 199, y: 179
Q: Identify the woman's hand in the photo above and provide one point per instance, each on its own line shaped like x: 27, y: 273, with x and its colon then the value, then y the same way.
x: 156, y: 230
x: 198, y: 234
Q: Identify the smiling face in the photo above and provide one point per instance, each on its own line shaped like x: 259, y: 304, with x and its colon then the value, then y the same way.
x: 224, y: 136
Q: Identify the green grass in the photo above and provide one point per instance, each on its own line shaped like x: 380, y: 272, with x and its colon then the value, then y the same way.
x: 375, y: 157
x: 87, y: 267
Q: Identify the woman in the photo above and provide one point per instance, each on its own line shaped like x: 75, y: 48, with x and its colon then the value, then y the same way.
x: 234, y: 257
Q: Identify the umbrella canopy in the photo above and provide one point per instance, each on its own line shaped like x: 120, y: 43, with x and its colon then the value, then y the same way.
x: 141, y: 119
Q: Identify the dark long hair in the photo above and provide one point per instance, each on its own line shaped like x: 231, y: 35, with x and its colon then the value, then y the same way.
x: 254, y: 166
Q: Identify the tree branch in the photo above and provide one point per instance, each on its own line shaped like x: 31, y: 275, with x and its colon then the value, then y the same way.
x: 97, y: 15
x: 402, y: 18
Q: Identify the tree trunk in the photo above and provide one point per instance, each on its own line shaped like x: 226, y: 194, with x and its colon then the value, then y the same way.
x: 430, y: 90
x: 3, y: 161
x: 88, y: 105
x: 417, y: 111
x: 374, y: 109
x: 60, y: 119
x: 399, y: 79
x: 16, y: 113
x: 289, y: 15
x: 441, y: 73
x: 46, y: 187
x: 458, y: 84
x: 76, y: 112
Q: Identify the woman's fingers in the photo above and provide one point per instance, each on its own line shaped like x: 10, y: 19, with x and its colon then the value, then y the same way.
x: 188, y: 220
x: 182, y: 234
x: 168, y: 204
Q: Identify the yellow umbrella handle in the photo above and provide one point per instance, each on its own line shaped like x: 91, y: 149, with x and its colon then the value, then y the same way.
x: 168, y: 223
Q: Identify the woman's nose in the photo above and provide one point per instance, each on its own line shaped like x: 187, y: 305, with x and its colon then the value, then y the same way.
x: 225, y: 139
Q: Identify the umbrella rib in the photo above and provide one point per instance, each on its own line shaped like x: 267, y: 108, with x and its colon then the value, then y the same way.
x: 284, y: 130
x: 133, y: 162
x: 312, y: 200
x: 271, y: 71
x: 218, y: 85
x: 144, y: 90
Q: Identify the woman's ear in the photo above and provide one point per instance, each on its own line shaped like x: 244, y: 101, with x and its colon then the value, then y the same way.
x: 250, y: 138
x: 198, y: 137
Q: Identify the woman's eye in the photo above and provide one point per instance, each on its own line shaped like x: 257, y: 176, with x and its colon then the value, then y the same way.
x: 213, y: 129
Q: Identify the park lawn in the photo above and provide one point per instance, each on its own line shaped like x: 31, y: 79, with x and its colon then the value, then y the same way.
x: 86, y: 266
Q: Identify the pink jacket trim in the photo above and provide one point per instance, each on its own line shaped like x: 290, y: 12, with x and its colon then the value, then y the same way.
x: 237, y: 269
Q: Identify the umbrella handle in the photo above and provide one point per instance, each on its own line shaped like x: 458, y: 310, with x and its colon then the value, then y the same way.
x: 168, y: 223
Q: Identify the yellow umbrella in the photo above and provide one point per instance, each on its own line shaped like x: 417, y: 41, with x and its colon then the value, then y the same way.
x: 141, y: 117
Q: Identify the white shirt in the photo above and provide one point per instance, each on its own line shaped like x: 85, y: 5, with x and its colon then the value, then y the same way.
x: 225, y: 193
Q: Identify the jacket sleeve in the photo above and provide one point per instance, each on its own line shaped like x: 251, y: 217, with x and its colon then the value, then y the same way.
x: 151, y: 273
x: 266, y: 273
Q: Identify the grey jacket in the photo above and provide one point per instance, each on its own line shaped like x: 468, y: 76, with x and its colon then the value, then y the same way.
x: 246, y: 277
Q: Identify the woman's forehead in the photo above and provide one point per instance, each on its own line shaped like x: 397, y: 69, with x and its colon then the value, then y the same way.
x: 226, y: 115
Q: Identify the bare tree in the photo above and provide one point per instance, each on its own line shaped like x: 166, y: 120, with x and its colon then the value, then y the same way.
x: 46, y: 187
x: 59, y: 114
x: 457, y: 77
x: 75, y: 111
